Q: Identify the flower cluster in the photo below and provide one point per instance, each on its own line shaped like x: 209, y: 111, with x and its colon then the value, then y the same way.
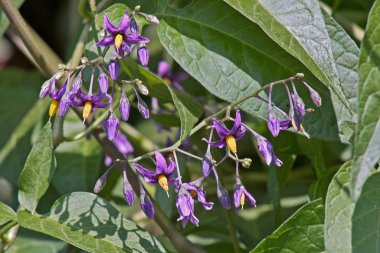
x: 73, y: 93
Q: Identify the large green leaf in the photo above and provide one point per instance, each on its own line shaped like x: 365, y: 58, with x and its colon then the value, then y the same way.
x: 31, y: 242
x: 189, y: 111
x: 38, y: 170
x: 6, y: 213
x: 309, y: 43
x: 4, y: 22
x: 232, y: 56
x: 366, y: 218
x: 367, y: 141
x: 339, y: 210
x: 302, y: 232
x: 92, y: 224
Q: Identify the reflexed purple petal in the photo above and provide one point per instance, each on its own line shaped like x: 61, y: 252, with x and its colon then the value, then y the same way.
x: 163, y: 69
x: 143, y: 55
x: 64, y: 105
x: 223, y: 196
x: 285, y: 124
x: 273, y: 124
x: 108, y: 25
x: 185, y: 206
x: 249, y: 198
x: 61, y: 91
x: 216, y: 144
x: 103, y: 82
x: 129, y: 194
x: 221, y: 130
x: 170, y: 169
x: 111, y: 126
x: 161, y: 165
x: 45, y: 89
x: 134, y: 26
x: 107, y: 41
x: 240, y: 133
x: 113, y: 68
x: 143, y: 108
x: 145, y: 172
x: 77, y: 83
x: 237, y: 123
x: 265, y: 149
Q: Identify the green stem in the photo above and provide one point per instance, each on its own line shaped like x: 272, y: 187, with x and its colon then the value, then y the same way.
x: 8, y: 226
x: 189, y: 154
x: 232, y: 230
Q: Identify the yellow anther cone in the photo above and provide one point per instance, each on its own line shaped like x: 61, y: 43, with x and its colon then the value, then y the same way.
x: 53, y: 108
x: 231, y: 143
x: 87, y: 109
x: 118, y: 40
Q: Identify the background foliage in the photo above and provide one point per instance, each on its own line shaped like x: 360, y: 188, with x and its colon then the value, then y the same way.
x: 322, y: 199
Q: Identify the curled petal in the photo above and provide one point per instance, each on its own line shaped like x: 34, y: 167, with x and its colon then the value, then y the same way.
x: 161, y: 165
x: 107, y: 41
x: 218, y: 144
x: 237, y: 123
x: 108, y: 25
x: 147, y: 174
x: 220, y: 129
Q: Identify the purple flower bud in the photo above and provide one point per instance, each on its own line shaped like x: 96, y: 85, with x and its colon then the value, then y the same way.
x: 113, y: 68
x: 103, y: 82
x: 143, y: 55
x: 134, y: 26
x: 77, y: 83
x: 143, y: 89
x: 129, y: 194
x: 273, y: 124
x: 207, y: 164
x: 45, y: 88
x: 313, y: 94
x: 223, y: 196
x: 101, y: 182
x: 266, y: 151
x: 111, y: 126
x: 146, y: 204
x: 124, y: 107
x: 143, y: 108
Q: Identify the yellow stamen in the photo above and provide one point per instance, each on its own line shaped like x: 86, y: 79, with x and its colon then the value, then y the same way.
x: 53, y: 107
x: 163, y: 182
x: 118, y: 41
x: 231, y: 143
x: 242, y: 200
x: 193, y: 193
x: 87, y: 109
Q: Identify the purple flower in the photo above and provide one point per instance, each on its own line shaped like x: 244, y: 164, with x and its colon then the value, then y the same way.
x: 185, y: 206
x: 146, y: 204
x: 123, y: 145
x: 241, y: 195
x: 163, y: 174
x: 121, y: 37
x: 195, y: 190
x: 228, y: 137
x: 56, y: 96
x: 313, y: 94
x: 165, y: 73
x: 272, y: 121
x: 113, y: 68
x: 129, y: 194
x: 111, y: 126
x: 90, y: 102
x: 266, y: 151
x: 143, y: 55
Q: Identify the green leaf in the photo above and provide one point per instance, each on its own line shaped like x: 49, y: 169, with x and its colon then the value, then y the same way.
x: 302, y: 232
x: 189, y: 111
x: 38, y: 170
x: 366, y: 218
x: 77, y: 166
x: 367, y: 141
x: 232, y: 56
x: 31, y: 242
x: 4, y: 22
x: 92, y: 224
x: 309, y: 43
x: 339, y: 210
x: 6, y: 213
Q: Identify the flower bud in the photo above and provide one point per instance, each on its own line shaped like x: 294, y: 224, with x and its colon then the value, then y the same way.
x: 143, y: 55
x: 223, y: 196
x: 315, y: 97
x: 207, y: 164
x: 101, y: 182
x: 103, y: 33
x: 134, y: 26
x: 113, y: 68
x: 45, y: 88
x: 129, y: 194
x: 152, y: 19
x: 84, y: 60
x: 111, y: 126
x: 247, y: 163
x: 146, y: 204
x: 143, y: 108
x: 124, y: 107
x: 103, y: 82
x: 59, y: 75
x: 143, y: 89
